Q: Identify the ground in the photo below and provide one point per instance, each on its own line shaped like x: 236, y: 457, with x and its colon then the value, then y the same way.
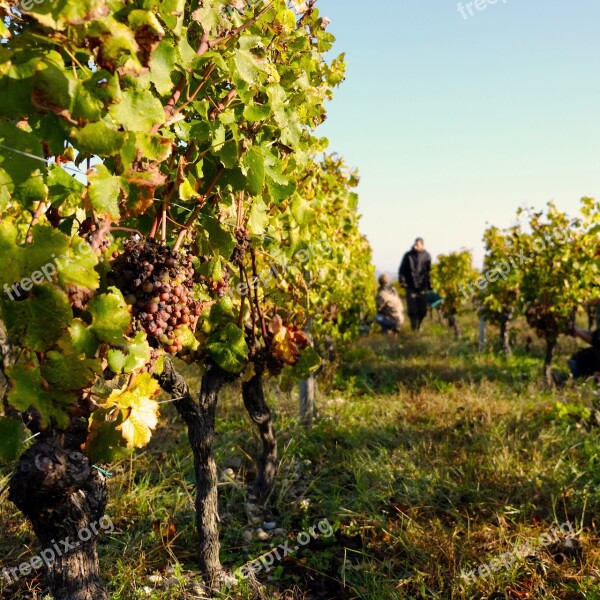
x: 433, y: 470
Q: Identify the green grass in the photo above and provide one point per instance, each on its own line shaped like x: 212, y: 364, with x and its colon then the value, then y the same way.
x: 428, y: 458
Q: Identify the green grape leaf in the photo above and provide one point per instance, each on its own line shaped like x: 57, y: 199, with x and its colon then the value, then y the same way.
x: 13, y: 257
x: 62, y: 187
x: 46, y: 246
x: 139, y: 110
x: 79, y: 267
x: 51, y: 252
x: 188, y: 339
x: 61, y: 14
x: 135, y: 356
x: 21, y: 175
x: 27, y: 392
x: 110, y: 317
x: 79, y: 340
x: 104, y: 191
x: 215, y: 239
x: 162, y: 66
x: 153, y: 147
x: 248, y: 66
x: 186, y: 191
x: 105, y: 444
x: 299, y: 208
x: 38, y: 321
x: 254, y: 112
x: 98, y: 138
x: 222, y: 311
x: 308, y: 362
x: 257, y: 222
x: 253, y: 167
x: 69, y: 373
x: 11, y: 440
x: 228, y: 348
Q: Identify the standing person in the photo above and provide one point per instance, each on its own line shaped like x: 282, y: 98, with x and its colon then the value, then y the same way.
x: 390, y: 312
x: 414, y: 276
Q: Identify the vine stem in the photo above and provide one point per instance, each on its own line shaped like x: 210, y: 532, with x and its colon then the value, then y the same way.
x: 219, y: 107
x: 155, y: 225
x: 129, y: 229
x: 34, y: 219
x: 170, y: 105
x: 242, y: 303
x: 246, y: 280
x: 205, y: 45
x: 199, y: 205
x: 241, y: 27
x: 256, y: 302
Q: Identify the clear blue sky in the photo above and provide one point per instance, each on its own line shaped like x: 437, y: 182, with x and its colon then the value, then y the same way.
x: 454, y: 123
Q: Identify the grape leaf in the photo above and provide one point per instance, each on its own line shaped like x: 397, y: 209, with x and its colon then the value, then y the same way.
x: 38, y: 321
x: 162, y: 66
x: 188, y: 339
x: 139, y: 411
x: 10, y: 439
x: 67, y: 372
x: 308, y: 362
x: 255, y: 112
x: 139, y: 110
x: 104, y: 191
x: 79, y: 340
x: 253, y: 167
x: 135, y: 355
x: 27, y: 392
x: 215, y: 239
x: 110, y: 317
x: 228, y: 348
x: 259, y: 218
x: 79, y: 267
x: 62, y: 187
x: 98, y: 138
x: 13, y: 257
x: 105, y: 443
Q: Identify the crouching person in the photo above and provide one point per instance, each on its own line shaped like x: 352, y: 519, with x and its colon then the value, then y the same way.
x: 586, y: 362
x: 390, y: 311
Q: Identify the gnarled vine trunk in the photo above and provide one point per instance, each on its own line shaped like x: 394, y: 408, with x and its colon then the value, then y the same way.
x: 504, y: 341
x: 199, y: 418
x: 308, y: 389
x: 64, y: 499
x: 254, y: 401
x: 550, y: 346
x: 453, y: 324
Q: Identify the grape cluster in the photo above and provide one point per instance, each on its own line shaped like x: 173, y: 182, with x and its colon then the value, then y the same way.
x: 96, y: 233
x: 158, y: 284
x: 243, y: 245
x: 216, y: 287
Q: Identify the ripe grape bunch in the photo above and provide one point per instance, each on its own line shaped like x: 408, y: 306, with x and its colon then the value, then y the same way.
x: 158, y: 284
x: 215, y: 287
x: 96, y: 233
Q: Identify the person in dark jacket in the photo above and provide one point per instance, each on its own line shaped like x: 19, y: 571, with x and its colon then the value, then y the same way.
x: 414, y: 276
x: 586, y: 362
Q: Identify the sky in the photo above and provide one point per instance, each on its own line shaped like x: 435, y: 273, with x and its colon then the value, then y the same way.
x: 455, y: 122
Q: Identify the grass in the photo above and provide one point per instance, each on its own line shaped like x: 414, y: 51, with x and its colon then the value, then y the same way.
x: 428, y: 459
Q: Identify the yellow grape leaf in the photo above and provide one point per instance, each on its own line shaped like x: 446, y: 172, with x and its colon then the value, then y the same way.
x: 284, y: 346
x: 249, y: 373
x: 140, y: 412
